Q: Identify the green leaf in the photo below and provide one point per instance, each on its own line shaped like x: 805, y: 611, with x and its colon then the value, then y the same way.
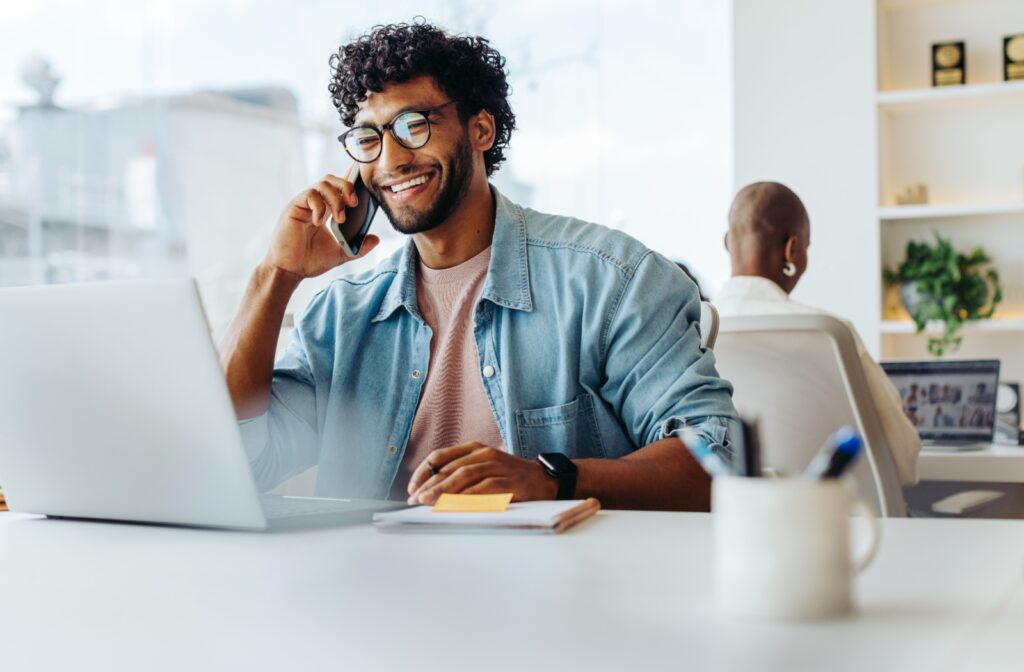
x: 952, y: 288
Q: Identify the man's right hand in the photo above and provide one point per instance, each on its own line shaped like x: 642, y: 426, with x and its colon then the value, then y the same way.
x: 302, y: 243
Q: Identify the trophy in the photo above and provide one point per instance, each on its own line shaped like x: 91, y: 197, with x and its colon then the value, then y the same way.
x: 1013, y: 57
x: 915, y: 194
x: 949, y: 64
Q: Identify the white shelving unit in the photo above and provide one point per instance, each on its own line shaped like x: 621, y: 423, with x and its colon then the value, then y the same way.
x: 967, y: 210
x: 966, y: 143
x: 907, y: 327
x: 953, y: 97
x: 836, y: 102
x: 848, y: 118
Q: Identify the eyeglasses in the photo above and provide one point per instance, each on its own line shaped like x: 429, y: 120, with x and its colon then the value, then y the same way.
x: 410, y: 129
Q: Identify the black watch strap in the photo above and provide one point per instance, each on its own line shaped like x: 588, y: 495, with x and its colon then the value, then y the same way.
x: 564, y: 470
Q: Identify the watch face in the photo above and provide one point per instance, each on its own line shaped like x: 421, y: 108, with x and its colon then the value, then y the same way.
x: 563, y: 469
x: 557, y: 462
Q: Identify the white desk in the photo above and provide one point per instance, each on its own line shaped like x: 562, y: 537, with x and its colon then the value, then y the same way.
x: 995, y: 464
x: 626, y: 591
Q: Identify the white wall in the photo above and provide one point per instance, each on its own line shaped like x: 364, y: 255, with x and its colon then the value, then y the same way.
x: 804, y: 100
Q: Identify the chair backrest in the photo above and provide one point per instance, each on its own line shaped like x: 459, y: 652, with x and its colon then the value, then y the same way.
x: 801, y: 377
x: 708, y: 325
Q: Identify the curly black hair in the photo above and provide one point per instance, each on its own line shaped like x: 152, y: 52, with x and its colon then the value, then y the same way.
x: 467, y: 69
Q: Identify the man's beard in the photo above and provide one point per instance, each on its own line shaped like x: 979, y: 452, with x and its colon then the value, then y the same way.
x: 452, y: 191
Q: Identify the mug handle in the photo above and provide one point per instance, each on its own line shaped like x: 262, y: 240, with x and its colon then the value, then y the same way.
x: 865, y: 559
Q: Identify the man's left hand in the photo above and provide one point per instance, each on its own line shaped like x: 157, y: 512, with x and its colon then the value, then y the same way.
x: 475, y: 469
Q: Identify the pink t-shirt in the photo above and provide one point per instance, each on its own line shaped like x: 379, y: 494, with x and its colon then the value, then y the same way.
x: 453, y: 407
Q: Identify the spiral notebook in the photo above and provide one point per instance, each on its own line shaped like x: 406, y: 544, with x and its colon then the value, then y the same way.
x: 546, y: 517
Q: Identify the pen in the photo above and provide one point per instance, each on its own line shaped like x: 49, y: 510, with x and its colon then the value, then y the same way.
x: 838, y: 453
x: 750, y: 451
x: 701, y: 451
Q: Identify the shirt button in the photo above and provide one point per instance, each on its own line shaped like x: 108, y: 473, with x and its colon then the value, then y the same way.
x: 488, y: 371
x: 392, y: 449
x: 416, y: 374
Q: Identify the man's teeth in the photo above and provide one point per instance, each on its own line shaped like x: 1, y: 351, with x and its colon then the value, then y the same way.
x: 411, y: 183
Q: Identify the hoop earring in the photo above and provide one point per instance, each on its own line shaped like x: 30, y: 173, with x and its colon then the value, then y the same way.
x: 789, y: 269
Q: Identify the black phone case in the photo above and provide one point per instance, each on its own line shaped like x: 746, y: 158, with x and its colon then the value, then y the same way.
x: 356, y: 243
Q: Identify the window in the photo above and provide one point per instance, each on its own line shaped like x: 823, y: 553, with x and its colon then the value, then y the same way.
x: 140, y: 139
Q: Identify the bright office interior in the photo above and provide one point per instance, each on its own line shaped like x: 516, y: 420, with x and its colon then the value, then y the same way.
x: 161, y: 138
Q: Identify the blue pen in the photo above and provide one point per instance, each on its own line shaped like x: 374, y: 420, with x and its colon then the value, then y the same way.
x: 839, y: 452
x: 701, y: 451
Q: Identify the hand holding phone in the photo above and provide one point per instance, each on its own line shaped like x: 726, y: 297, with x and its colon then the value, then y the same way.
x: 306, y: 243
x: 351, y: 232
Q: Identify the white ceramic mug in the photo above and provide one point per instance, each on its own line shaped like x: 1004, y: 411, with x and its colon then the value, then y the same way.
x: 782, y: 546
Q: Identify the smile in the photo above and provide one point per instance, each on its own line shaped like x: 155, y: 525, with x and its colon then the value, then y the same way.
x: 409, y: 184
x: 403, y: 192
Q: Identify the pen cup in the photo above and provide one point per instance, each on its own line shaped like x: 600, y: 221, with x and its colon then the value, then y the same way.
x: 782, y: 547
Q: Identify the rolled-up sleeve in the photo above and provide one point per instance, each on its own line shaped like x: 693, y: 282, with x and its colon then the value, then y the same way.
x: 659, y: 378
x: 284, y: 441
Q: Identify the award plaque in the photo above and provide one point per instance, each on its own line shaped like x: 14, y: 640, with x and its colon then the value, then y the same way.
x: 949, y: 64
x: 1013, y: 57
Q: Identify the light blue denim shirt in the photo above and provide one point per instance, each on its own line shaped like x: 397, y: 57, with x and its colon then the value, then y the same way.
x: 588, y: 345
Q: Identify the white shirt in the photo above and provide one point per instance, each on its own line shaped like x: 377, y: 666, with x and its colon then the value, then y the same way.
x: 754, y: 295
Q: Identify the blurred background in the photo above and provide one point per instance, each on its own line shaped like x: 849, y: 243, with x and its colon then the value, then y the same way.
x: 152, y: 138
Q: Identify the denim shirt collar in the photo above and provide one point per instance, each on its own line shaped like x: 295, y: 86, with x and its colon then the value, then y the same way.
x: 508, y: 275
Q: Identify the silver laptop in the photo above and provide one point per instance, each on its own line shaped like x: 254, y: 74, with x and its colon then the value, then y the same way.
x: 113, y: 406
x: 951, y: 403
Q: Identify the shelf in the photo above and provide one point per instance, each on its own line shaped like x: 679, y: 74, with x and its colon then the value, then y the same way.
x: 948, y: 96
x: 896, y: 5
x: 907, y: 327
x: 899, y: 212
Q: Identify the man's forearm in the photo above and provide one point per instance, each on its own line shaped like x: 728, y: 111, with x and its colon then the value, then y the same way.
x: 247, y: 351
x: 661, y: 476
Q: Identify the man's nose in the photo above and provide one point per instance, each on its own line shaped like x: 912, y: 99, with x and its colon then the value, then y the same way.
x: 393, y: 156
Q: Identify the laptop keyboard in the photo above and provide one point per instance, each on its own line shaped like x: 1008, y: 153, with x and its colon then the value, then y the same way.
x: 284, y: 507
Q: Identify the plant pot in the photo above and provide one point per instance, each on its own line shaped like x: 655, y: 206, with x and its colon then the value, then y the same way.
x: 912, y: 297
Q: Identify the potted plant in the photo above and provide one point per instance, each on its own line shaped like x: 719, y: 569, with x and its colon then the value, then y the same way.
x: 937, y: 283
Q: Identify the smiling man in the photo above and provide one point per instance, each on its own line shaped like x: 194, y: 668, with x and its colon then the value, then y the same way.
x: 500, y: 350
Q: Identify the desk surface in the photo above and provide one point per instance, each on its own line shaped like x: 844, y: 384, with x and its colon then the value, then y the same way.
x: 624, y: 591
x: 995, y: 464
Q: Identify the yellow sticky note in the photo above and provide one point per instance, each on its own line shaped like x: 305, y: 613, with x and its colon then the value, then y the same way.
x: 449, y: 503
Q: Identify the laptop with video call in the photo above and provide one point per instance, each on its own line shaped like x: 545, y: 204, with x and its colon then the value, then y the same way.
x: 951, y: 403
x: 113, y: 406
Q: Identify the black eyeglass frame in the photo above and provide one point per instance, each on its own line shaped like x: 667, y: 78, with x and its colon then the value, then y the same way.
x: 390, y: 126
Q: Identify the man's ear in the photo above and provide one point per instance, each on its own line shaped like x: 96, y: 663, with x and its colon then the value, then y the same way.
x: 482, y: 130
x: 790, y: 250
x: 726, y: 242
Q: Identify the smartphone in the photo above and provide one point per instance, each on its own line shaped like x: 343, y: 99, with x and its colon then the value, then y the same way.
x: 351, y: 233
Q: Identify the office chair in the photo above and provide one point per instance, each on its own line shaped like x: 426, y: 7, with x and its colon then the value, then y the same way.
x: 801, y: 378
x: 708, y: 325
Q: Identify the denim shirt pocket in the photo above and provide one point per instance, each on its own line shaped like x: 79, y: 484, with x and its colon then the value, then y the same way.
x: 569, y: 428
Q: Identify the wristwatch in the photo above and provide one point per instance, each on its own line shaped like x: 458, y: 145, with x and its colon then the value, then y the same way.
x: 562, y: 468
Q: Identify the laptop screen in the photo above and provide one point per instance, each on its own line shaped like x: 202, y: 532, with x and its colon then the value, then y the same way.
x: 952, y: 402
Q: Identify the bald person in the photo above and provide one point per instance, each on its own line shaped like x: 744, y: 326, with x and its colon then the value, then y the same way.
x: 769, y: 233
